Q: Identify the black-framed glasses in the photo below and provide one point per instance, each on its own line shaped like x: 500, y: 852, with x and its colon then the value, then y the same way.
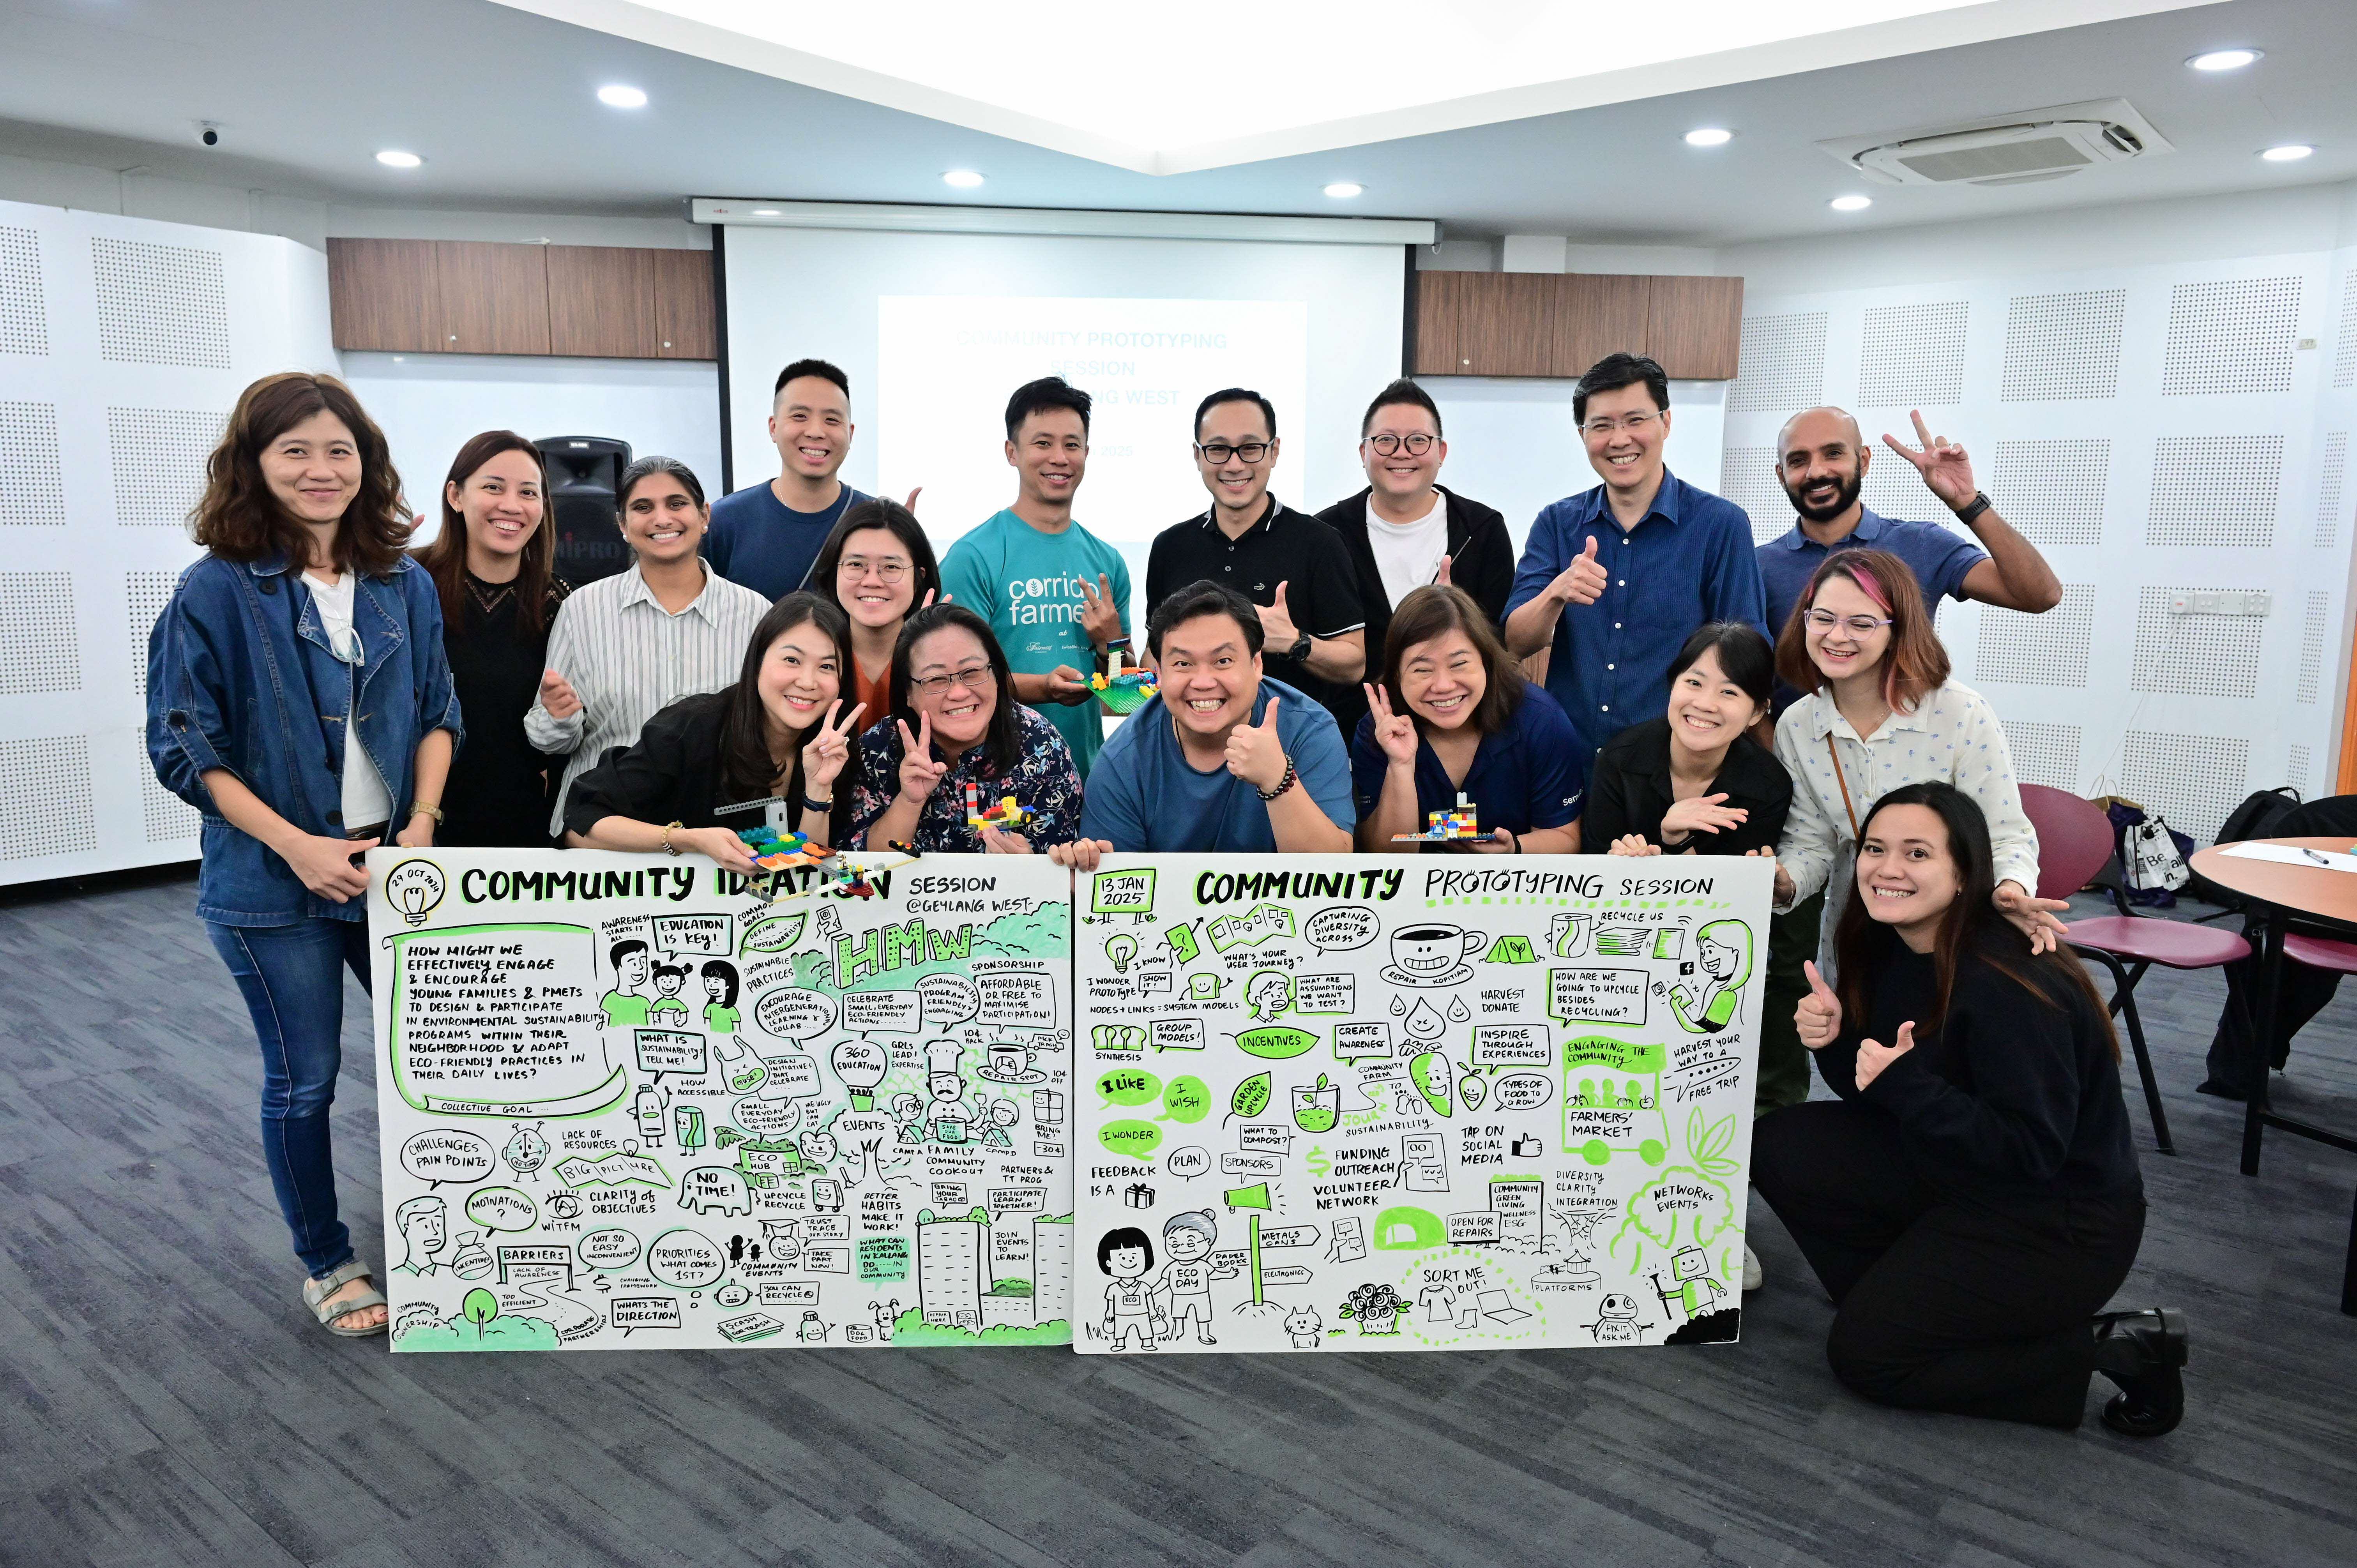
x: 973, y: 677
x: 1416, y: 445
x: 1217, y: 453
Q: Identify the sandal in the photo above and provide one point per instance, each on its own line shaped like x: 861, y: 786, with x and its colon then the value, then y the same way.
x: 317, y: 1291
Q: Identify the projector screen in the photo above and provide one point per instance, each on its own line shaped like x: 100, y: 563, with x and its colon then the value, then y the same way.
x: 935, y: 331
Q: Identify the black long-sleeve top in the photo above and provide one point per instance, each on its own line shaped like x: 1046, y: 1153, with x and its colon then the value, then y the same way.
x: 2010, y: 1098
x: 1630, y: 792
x: 498, y: 793
x: 673, y: 774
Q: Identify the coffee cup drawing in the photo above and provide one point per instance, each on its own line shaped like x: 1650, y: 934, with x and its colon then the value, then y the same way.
x: 1432, y: 954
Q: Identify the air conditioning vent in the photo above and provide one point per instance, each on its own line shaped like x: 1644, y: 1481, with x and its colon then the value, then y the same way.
x: 2012, y: 149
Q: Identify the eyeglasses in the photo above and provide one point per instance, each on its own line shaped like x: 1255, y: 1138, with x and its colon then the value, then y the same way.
x: 973, y: 677
x: 1633, y: 423
x: 1418, y: 445
x: 1217, y: 453
x: 1858, y: 626
x: 890, y: 570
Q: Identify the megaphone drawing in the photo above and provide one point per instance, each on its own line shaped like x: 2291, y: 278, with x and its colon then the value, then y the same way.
x: 1253, y: 1197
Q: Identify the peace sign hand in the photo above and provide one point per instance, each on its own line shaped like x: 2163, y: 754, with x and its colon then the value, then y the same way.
x: 1440, y: 578
x: 1583, y: 581
x: 1872, y: 1057
x: 1100, y: 617
x: 1395, y: 733
x: 1277, y: 626
x: 1255, y: 753
x: 1943, y: 465
x: 1819, y: 1016
x: 920, y: 773
x: 829, y: 747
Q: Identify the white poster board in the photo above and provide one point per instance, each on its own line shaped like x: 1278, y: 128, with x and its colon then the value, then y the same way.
x: 625, y: 1103
x: 1374, y: 1102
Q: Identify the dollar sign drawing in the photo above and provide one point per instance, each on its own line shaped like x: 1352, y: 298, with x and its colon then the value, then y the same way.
x: 1317, y: 1162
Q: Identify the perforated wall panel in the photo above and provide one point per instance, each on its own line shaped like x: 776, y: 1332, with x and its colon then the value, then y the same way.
x: 1914, y: 354
x: 2048, y: 650
x: 2063, y: 346
x: 1746, y: 475
x: 1893, y: 487
x: 2044, y: 754
x: 2192, y: 780
x: 34, y: 491
x: 159, y: 456
x: 2329, y: 476
x: 47, y: 784
x: 164, y: 815
x: 161, y: 304
x: 24, y: 311
x: 2302, y: 770
x: 2214, y: 489
x: 1781, y: 363
x: 2234, y: 336
x: 2315, y: 630
x: 39, y: 649
x: 2344, y: 356
x: 2053, y: 490
x: 2194, y: 655
x: 144, y: 595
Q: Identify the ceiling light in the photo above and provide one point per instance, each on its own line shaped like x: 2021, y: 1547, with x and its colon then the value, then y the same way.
x: 1851, y: 203
x: 393, y: 157
x: 962, y: 179
x: 2290, y: 153
x: 767, y: 212
x: 614, y: 95
x: 1343, y: 190
x: 2226, y: 60
x: 1709, y: 136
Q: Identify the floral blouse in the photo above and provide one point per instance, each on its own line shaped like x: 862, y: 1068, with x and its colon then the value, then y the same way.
x: 1043, y: 783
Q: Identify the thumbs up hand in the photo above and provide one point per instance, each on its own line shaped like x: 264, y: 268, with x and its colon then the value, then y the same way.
x: 1276, y: 628
x: 1872, y: 1057
x: 1819, y: 1016
x: 1255, y: 753
x: 1583, y: 581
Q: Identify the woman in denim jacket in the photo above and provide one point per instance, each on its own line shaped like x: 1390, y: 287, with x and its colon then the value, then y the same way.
x: 296, y: 691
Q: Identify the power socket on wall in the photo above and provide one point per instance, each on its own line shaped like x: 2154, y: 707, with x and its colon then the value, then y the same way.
x: 2248, y: 602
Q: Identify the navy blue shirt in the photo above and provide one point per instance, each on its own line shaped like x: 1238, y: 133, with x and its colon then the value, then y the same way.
x: 1144, y: 794
x: 1530, y: 774
x: 1939, y: 557
x: 1688, y: 563
x: 757, y: 540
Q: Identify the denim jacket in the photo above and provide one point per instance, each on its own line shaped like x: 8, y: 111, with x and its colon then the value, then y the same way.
x: 241, y: 676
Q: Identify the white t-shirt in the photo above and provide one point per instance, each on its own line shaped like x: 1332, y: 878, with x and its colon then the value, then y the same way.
x: 366, y: 799
x: 1407, y: 555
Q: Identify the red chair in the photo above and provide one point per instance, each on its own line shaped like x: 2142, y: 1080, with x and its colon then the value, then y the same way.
x: 2074, y: 847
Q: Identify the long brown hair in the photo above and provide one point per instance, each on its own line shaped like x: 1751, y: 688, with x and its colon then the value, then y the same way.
x: 1435, y: 610
x: 445, y: 559
x: 745, y: 771
x: 1863, y: 945
x: 238, y: 520
x: 1914, y: 665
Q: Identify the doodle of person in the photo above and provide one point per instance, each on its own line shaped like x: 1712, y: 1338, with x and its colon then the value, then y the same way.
x: 991, y: 1119
x: 1269, y: 993
x: 1185, y: 1290
x: 667, y: 1010
x: 1694, y: 1290
x: 1305, y: 1327
x: 1617, y: 1322
x: 424, y: 1223
x: 783, y: 1241
x: 623, y: 1007
x: 720, y: 1013
x: 910, y: 1112
x: 1125, y: 1255
x: 1723, y: 952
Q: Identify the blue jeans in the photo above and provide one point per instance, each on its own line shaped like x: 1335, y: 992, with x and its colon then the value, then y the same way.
x: 292, y: 977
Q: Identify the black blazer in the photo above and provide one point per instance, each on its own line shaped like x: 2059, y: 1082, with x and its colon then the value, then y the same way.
x: 673, y: 774
x: 1481, y: 562
x: 1629, y: 792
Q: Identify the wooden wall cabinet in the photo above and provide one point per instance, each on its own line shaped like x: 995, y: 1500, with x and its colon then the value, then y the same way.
x: 446, y: 296
x: 1555, y: 325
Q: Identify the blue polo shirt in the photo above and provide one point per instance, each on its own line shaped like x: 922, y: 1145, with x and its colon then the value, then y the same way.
x: 757, y: 540
x: 1938, y: 556
x: 1528, y: 775
x: 1144, y: 794
x: 1689, y: 561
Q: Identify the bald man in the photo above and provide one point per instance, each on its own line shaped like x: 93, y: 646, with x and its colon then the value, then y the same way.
x: 1822, y: 462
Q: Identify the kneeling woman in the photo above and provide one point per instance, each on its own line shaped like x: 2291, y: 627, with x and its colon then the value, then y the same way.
x: 1453, y: 715
x: 1692, y: 781
x: 782, y: 733
x: 1972, y: 1200
x: 955, y: 721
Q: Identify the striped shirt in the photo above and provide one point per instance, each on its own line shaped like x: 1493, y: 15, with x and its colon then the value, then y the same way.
x: 627, y: 659
x: 1952, y: 737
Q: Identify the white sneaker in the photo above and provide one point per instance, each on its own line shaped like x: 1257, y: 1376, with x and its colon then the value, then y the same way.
x: 1754, y: 1277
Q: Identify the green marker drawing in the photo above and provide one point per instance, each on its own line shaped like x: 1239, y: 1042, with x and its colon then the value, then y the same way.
x: 1182, y: 938
x: 479, y: 1308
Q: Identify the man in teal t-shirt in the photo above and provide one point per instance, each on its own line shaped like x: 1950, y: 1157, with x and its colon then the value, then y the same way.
x: 1053, y: 592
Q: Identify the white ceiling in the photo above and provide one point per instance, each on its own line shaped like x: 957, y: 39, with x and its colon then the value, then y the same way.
x: 500, y: 103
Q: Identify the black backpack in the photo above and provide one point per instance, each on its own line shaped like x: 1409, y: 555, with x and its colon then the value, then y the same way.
x: 2255, y: 818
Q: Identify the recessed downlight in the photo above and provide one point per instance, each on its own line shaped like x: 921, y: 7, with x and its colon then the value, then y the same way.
x: 1343, y: 190
x: 393, y: 157
x: 2226, y: 60
x: 1850, y: 203
x: 2290, y: 153
x: 616, y: 95
x: 962, y: 179
x: 1709, y: 136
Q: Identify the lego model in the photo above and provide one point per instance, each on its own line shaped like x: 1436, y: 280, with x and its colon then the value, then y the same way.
x: 1122, y: 690
x: 1462, y: 821
x: 1006, y: 814
x: 775, y: 853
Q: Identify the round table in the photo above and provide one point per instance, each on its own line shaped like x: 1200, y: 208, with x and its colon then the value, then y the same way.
x: 2280, y: 894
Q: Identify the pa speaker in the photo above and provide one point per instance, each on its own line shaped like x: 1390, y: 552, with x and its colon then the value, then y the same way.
x: 585, y: 478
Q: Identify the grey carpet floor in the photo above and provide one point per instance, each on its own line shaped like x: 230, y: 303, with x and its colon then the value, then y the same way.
x: 168, y: 1401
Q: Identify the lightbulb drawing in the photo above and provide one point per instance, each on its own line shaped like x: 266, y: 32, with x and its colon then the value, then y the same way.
x: 415, y: 887
x: 1121, y: 949
x: 861, y: 1066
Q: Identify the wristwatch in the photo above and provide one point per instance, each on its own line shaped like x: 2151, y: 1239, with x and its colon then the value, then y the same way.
x: 1974, y: 508
x: 1300, y: 648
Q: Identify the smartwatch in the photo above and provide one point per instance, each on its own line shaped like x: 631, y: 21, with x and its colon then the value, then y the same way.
x: 1300, y: 648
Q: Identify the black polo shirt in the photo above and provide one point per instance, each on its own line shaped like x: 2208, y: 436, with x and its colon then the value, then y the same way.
x: 1629, y: 791
x: 1284, y: 547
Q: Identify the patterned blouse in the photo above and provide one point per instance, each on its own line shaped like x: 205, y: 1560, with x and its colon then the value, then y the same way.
x: 1952, y: 737
x: 1043, y: 783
